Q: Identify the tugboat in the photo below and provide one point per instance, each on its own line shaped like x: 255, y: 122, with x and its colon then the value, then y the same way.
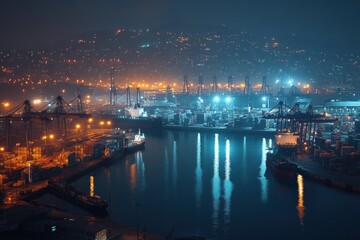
x: 93, y: 204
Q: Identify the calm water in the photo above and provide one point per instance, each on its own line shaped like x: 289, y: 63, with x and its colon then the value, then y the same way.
x: 217, y: 186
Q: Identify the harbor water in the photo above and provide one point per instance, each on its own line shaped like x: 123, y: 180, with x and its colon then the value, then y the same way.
x: 217, y: 186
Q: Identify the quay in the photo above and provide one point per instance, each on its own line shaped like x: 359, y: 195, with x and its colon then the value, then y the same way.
x: 46, y: 222
x: 312, y: 170
x: 201, y: 128
x: 75, y: 169
x: 19, y: 214
x: 67, y: 175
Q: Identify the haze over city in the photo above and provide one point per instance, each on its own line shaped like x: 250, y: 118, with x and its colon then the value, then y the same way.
x: 179, y: 119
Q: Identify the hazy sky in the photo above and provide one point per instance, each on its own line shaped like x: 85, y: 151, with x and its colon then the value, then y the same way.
x: 334, y: 23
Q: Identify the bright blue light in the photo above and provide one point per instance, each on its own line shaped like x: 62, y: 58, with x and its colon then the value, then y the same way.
x: 277, y: 81
x: 216, y: 99
x: 264, y: 98
x: 228, y: 99
x: 145, y: 45
x: 291, y: 82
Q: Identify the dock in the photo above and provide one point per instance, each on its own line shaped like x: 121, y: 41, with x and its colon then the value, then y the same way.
x: 312, y: 170
x: 46, y: 222
x: 201, y: 128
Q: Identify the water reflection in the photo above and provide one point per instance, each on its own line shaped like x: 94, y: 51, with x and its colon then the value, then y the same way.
x: 140, y: 169
x: 228, y: 186
x: 133, y: 176
x: 167, y: 170
x: 216, y: 184
x: 107, y: 172
x: 92, y: 186
x: 263, y: 179
x: 244, y: 167
x: 198, y: 172
x: 300, y: 205
x: 174, y: 165
x: 137, y: 172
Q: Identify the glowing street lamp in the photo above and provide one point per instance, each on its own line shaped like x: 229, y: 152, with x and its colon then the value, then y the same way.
x: 108, y: 123
x: 228, y: 99
x: 6, y: 104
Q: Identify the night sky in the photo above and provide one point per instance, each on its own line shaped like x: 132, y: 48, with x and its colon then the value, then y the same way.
x: 333, y: 24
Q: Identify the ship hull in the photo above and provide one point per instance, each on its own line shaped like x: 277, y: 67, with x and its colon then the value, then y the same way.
x: 285, y: 169
x: 98, y: 210
x: 134, y: 148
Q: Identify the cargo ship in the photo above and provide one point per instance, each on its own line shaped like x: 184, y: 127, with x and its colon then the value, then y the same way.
x: 136, y: 144
x: 285, y: 146
x: 93, y: 204
x: 280, y: 166
x: 136, y: 122
x: 134, y: 117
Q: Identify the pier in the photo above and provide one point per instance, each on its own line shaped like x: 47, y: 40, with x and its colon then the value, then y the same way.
x: 201, y: 128
x: 312, y: 170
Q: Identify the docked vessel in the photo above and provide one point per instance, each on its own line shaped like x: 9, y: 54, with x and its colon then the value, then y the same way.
x: 94, y: 204
x: 285, y: 147
x: 280, y: 166
x: 134, y: 144
x: 133, y: 117
x: 136, y: 122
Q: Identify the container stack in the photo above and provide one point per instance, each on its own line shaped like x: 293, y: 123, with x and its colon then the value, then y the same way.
x: 36, y: 152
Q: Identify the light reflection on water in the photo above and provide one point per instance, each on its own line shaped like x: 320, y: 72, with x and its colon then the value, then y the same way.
x: 263, y: 179
x: 166, y: 169
x: 133, y: 176
x: 244, y: 163
x: 222, y: 188
x: 300, y: 205
x: 137, y: 172
x: 228, y: 186
x: 198, y: 172
x: 140, y: 170
x: 214, y: 185
x: 92, y: 186
x: 174, y: 165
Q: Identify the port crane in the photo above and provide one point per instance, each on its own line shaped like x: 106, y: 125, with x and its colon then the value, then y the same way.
x: 58, y: 109
x: 303, y: 123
